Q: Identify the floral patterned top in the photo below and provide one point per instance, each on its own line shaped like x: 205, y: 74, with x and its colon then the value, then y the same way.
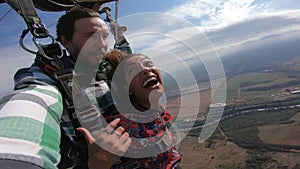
x: 149, y: 132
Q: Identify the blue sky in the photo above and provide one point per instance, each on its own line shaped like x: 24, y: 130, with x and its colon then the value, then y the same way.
x: 230, y: 26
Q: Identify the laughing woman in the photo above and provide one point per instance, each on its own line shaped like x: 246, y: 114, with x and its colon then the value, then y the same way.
x: 138, y: 85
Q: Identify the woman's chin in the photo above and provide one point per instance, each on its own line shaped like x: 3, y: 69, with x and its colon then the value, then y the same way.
x: 155, y: 95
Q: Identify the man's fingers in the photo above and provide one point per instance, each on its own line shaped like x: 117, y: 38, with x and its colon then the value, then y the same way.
x: 110, y: 127
x: 124, y: 138
x: 123, y: 29
x: 87, y: 135
x: 114, y: 123
x: 119, y: 131
x: 127, y: 143
x: 120, y: 29
x: 110, y: 139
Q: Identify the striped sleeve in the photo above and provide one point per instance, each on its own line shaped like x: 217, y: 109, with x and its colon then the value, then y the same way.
x: 30, y: 126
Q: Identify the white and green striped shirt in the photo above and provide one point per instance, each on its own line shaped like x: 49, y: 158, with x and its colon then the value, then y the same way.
x: 30, y: 122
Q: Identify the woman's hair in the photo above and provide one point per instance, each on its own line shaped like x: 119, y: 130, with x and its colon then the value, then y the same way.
x: 114, y: 58
x: 66, y: 23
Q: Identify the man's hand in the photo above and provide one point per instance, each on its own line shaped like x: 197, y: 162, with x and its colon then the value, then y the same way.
x: 114, y: 142
x: 117, y: 30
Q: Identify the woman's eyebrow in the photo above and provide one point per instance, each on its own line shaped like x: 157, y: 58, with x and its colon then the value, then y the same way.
x: 131, y: 65
x: 144, y: 58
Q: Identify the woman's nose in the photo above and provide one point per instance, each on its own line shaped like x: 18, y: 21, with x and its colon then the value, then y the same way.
x: 146, y: 70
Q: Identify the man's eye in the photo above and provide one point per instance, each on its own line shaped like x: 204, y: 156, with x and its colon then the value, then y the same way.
x: 91, y: 37
x: 105, y: 35
x: 87, y: 36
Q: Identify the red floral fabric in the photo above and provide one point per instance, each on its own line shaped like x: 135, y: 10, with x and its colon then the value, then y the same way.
x: 151, y: 131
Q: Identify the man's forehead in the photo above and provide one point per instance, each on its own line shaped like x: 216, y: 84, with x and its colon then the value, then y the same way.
x: 90, y: 23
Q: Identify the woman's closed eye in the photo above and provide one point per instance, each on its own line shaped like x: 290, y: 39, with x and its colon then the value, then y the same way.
x: 132, y: 70
x: 148, y: 63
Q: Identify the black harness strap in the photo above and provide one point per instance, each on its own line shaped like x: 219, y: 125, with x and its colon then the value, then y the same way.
x: 85, y: 113
x: 27, y: 10
x: 54, y: 5
x: 81, y: 111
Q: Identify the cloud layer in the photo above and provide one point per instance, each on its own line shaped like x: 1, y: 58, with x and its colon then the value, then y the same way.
x: 219, y: 13
x: 230, y: 27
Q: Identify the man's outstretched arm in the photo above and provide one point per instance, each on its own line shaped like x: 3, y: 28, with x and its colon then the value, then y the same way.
x: 30, y: 127
x: 115, y: 141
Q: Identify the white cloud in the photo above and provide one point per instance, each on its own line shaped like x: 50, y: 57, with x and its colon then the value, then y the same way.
x: 155, y: 33
x: 219, y: 13
x: 165, y: 35
x: 258, y: 29
x: 285, y: 4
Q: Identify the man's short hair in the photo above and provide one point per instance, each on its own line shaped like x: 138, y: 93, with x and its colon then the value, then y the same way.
x: 65, y: 25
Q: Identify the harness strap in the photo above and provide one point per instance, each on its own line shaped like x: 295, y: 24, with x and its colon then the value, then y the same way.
x: 87, y: 114
x: 27, y: 10
x: 116, y: 20
x: 81, y: 111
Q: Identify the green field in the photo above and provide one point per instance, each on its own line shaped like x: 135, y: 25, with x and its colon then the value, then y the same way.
x: 252, y: 88
x: 243, y: 131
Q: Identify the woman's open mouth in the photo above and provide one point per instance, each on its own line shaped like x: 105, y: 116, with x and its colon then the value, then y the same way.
x: 151, y: 82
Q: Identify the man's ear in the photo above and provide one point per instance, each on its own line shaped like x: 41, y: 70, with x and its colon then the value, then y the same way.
x: 66, y: 43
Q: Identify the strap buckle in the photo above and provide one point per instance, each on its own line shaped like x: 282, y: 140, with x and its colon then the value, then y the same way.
x: 72, y: 154
x: 65, y: 77
x: 134, y: 165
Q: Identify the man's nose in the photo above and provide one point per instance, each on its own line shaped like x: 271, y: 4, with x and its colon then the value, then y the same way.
x: 102, y: 42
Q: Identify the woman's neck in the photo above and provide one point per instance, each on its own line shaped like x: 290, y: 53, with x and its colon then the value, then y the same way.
x: 145, y: 107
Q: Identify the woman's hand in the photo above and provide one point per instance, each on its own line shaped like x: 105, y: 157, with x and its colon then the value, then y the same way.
x: 108, y: 147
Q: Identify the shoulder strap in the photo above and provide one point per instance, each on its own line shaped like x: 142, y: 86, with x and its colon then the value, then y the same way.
x: 81, y: 111
x: 27, y: 10
x: 61, y: 70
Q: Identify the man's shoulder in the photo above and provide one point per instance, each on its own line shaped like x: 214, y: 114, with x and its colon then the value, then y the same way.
x: 31, y: 75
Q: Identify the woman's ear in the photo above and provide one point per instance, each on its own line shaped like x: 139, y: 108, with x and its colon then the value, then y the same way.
x: 129, y: 90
